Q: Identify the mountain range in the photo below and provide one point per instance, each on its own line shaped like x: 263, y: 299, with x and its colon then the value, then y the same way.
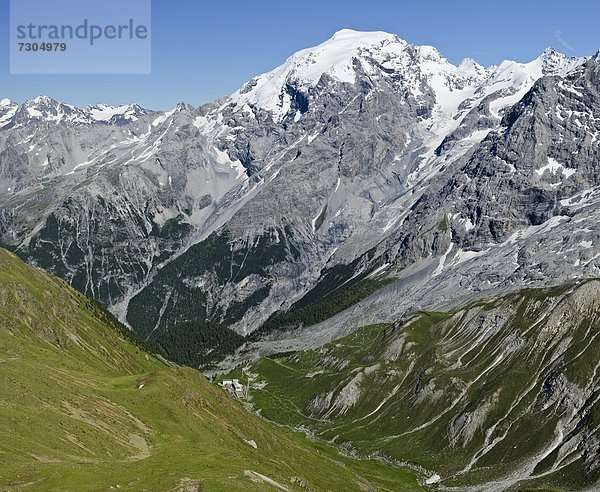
x: 323, y: 164
x: 366, y: 184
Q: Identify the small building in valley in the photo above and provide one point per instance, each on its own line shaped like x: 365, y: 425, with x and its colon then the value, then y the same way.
x: 234, y: 387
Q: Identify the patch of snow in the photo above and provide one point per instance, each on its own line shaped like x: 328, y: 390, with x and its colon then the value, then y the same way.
x: 163, y: 117
x: 553, y: 167
x: 34, y: 113
x: 237, y: 166
x: 259, y: 477
x: 337, y: 185
x: 442, y: 262
x: 531, y: 230
x: 469, y: 226
x: 104, y: 112
x: 582, y: 198
x: 312, y: 137
x: 378, y: 270
x: 463, y: 256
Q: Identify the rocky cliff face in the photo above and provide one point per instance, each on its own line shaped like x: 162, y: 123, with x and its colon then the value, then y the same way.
x: 358, y: 159
x: 516, y: 210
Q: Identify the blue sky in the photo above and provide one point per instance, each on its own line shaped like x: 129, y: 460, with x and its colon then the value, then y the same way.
x: 203, y: 50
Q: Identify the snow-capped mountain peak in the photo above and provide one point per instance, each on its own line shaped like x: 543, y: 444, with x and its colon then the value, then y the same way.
x: 7, y: 110
x: 555, y: 63
x: 116, y: 115
x: 42, y: 100
x: 335, y: 58
x: 470, y: 68
x: 519, y: 77
x: 45, y: 109
x: 350, y: 54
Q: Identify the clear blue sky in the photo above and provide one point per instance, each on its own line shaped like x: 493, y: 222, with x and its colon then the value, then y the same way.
x: 203, y: 50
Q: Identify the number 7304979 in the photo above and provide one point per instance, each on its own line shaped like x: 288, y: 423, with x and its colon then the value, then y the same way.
x: 42, y: 46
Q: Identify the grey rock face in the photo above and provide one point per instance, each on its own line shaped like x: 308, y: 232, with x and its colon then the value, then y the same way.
x: 519, y: 176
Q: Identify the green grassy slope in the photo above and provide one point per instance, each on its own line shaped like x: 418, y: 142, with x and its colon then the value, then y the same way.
x: 82, y: 407
x: 503, y: 393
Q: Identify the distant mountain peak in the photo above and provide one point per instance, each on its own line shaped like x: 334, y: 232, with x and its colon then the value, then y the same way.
x: 556, y: 63
x: 41, y: 100
x: 470, y: 67
x: 116, y: 114
x: 48, y: 110
x: 8, y: 109
x: 364, y: 36
x: 183, y: 106
x: 45, y: 109
x: 551, y: 51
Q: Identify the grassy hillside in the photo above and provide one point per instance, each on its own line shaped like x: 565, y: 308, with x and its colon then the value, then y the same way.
x: 503, y: 394
x: 84, y: 407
